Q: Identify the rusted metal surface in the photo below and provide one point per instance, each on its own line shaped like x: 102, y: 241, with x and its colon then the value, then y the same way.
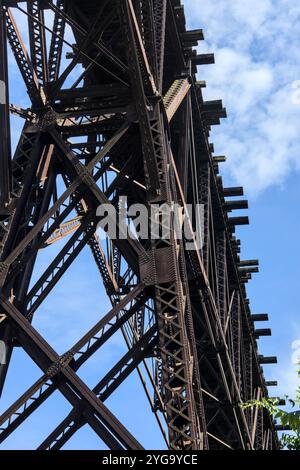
x: 133, y: 123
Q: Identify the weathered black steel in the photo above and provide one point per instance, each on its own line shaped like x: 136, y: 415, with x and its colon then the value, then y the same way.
x: 5, y: 150
x: 134, y: 124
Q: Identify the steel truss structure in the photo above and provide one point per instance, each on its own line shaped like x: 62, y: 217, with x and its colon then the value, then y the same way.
x: 134, y: 123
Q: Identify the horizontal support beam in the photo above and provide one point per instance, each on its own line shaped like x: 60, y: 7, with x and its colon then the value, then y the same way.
x: 234, y: 191
x: 250, y: 269
x: 238, y: 221
x: 14, y: 3
x: 280, y: 401
x: 193, y: 35
x: 246, y: 278
x: 214, y: 114
x: 92, y: 91
x: 211, y: 105
x: 236, y: 205
x: 263, y: 332
x: 203, y: 59
x: 267, y: 359
x: 212, y: 121
x: 219, y: 159
x: 260, y: 317
x: 249, y: 262
x: 271, y: 383
x: 280, y: 427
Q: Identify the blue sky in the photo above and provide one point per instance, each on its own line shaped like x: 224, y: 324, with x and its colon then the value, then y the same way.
x: 256, y: 46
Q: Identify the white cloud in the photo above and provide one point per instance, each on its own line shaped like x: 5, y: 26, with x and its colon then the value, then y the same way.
x: 256, y: 45
x: 287, y: 370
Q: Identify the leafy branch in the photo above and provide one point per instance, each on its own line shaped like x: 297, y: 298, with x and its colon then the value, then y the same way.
x: 291, y: 419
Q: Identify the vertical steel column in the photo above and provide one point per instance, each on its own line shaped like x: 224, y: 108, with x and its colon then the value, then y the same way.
x: 220, y: 241
x: 37, y: 38
x: 236, y: 337
x: 5, y: 146
x: 160, y: 13
x: 204, y: 199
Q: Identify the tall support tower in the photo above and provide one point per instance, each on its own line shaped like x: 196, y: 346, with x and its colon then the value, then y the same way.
x: 117, y: 118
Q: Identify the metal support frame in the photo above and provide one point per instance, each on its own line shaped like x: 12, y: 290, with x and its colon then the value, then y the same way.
x: 134, y: 124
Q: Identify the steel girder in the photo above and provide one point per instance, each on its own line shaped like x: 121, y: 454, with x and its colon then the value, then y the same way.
x: 133, y: 123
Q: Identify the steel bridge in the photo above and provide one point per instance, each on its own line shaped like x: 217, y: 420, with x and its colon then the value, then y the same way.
x: 132, y: 123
